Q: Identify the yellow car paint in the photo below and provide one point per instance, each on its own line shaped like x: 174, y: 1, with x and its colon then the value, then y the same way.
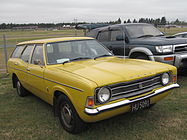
x: 79, y: 79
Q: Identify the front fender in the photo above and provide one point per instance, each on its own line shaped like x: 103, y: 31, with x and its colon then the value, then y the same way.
x: 142, y: 50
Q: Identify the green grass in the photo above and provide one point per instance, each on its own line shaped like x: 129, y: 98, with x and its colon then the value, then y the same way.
x: 172, y: 31
x: 14, y: 37
x: 31, y: 118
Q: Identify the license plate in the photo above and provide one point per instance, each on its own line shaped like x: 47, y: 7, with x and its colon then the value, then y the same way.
x: 140, y: 105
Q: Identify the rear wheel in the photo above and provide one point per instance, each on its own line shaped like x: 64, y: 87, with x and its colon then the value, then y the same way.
x: 68, y: 116
x: 21, y: 91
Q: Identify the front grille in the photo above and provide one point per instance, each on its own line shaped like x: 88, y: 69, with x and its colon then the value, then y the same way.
x: 134, y: 88
x: 180, y: 48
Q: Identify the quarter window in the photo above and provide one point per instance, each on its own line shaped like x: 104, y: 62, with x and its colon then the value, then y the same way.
x: 103, y: 36
x: 37, y: 57
x: 17, y: 52
x: 26, y: 53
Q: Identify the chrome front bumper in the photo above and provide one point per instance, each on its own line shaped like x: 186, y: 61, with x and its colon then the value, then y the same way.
x: 91, y: 111
x: 177, y: 59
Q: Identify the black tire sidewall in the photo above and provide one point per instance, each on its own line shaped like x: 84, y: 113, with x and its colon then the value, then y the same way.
x: 77, y: 125
x: 23, y: 92
x: 143, y: 57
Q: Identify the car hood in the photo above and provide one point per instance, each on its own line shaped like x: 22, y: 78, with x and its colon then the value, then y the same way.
x: 158, y: 41
x: 110, y: 70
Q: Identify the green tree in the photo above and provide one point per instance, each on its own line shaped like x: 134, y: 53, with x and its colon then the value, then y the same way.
x: 128, y: 21
x: 134, y: 21
x: 119, y: 21
x: 163, y: 21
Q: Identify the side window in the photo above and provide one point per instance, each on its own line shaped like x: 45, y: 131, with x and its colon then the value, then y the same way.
x: 17, y: 52
x: 103, y: 36
x: 26, y: 53
x: 37, y: 57
x: 185, y: 35
x: 114, y: 34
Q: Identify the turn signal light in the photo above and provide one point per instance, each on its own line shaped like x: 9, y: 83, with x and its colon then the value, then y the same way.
x: 168, y: 58
x: 90, y: 102
x: 174, y: 79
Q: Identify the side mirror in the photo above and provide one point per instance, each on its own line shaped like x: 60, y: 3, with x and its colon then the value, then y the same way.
x: 37, y: 62
x: 119, y: 38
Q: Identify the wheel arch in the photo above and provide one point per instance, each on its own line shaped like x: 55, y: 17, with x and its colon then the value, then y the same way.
x: 141, y: 50
x: 14, y: 80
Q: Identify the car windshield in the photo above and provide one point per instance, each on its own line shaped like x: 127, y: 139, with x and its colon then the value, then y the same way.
x: 138, y: 31
x: 62, y: 52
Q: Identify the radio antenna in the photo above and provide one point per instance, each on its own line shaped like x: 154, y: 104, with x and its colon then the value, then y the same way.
x: 124, y: 43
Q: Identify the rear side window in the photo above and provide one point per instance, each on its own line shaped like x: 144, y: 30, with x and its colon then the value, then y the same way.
x: 37, y: 57
x: 17, y: 52
x: 103, y: 36
x: 26, y: 53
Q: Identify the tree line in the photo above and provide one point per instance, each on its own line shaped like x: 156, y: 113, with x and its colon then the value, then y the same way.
x: 156, y: 22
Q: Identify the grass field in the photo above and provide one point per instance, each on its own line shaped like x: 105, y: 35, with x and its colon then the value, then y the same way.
x: 14, y: 37
x: 30, y: 118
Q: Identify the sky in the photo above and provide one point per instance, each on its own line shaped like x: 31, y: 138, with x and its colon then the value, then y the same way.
x: 58, y: 11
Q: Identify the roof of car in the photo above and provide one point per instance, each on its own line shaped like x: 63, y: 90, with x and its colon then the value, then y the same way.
x: 49, y: 40
x: 119, y: 25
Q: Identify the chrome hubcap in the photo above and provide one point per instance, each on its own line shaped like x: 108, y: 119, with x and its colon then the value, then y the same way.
x: 66, y: 115
x: 18, y: 88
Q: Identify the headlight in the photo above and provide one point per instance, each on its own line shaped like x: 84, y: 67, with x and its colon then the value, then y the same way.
x: 103, y: 95
x: 165, y: 78
x: 164, y: 49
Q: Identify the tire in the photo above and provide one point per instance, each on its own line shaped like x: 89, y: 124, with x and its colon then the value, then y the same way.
x: 68, y: 116
x: 21, y: 91
x: 141, y: 56
x: 152, y: 105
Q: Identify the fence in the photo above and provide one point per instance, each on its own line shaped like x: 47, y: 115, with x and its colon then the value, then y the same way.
x: 4, y: 55
x: 9, y: 39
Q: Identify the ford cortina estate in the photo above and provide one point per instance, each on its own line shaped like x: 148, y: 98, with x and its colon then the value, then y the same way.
x: 84, y: 82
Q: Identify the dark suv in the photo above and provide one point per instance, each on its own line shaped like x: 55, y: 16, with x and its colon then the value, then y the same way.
x: 142, y: 41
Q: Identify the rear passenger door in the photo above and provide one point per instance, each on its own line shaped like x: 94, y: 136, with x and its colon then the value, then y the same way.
x: 36, y: 71
x: 14, y: 61
x: 23, y: 65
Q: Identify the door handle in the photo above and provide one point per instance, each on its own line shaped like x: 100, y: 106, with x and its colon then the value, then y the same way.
x: 28, y: 69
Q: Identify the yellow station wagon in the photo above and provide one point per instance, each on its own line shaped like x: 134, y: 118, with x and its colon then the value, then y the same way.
x: 84, y: 82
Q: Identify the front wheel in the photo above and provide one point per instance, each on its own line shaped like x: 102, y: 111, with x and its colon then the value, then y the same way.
x: 140, y: 56
x: 68, y: 116
x: 144, y: 57
x: 21, y: 91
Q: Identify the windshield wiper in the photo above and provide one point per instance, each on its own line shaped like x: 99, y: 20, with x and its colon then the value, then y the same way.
x: 104, y: 55
x: 159, y: 35
x: 66, y: 62
x: 145, y: 36
x: 77, y: 58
